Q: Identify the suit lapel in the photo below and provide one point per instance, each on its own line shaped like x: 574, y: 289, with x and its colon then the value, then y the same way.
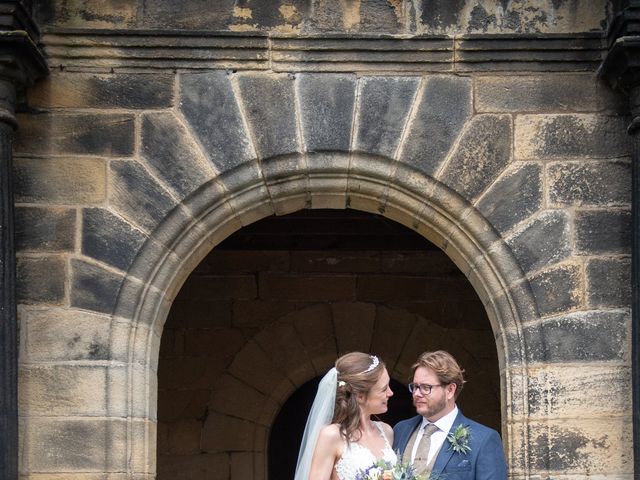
x: 445, y: 452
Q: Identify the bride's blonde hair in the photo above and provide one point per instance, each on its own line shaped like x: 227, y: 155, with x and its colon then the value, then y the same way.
x: 357, y: 374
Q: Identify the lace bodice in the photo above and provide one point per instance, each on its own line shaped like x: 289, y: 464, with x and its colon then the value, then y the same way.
x: 356, y: 457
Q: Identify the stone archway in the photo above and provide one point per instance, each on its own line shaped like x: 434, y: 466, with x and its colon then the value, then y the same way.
x: 443, y: 218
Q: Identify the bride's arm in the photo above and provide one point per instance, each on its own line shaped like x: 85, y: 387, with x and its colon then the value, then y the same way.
x: 327, y: 452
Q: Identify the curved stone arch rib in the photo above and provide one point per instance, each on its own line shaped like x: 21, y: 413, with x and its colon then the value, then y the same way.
x: 410, y: 198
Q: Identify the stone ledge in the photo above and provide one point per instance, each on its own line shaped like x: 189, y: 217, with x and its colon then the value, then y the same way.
x: 152, y: 49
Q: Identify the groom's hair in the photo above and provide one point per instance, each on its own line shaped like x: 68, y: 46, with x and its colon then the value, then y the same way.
x: 445, y: 367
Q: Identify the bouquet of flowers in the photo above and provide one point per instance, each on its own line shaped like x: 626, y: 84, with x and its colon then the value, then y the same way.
x: 386, y: 471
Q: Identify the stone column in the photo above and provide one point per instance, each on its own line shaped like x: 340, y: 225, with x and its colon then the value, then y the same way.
x: 21, y: 62
x: 8, y: 320
x: 621, y: 69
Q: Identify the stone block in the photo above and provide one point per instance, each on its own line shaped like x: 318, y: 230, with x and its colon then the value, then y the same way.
x: 567, y: 92
x: 253, y: 366
x: 218, y: 344
x: 235, y: 398
x: 209, y: 106
x: 188, y: 372
x: 219, y: 287
x: 544, y: 241
x: 435, y: 263
x: 603, y: 232
x: 93, y: 288
x: 221, y: 261
x: 174, y: 157
x: 45, y: 229
x: 61, y: 180
x: 551, y: 299
x: 384, y: 288
x: 559, y: 390
x: 596, y: 184
x: 109, y: 239
x: 79, y: 133
x: 269, y: 107
x: 258, y: 313
x: 200, y: 313
x: 226, y: 433
x: 306, y: 287
x: 609, y: 282
x: 65, y: 390
x: 392, y: 329
x: 242, y: 465
x: 326, y: 110
x: 557, y: 137
x: 74, y: 444
x: 182, y: 404
x: 96, y: 14
x: 444, y: 105
x: 281, y: 342
x: 184, y: 437
x: 57, y: 334
x: 385, y: 103
x: 354, y: 323
x: 343, y: 262
x: 482, y: 153
x: 102, y: 90
x: 315, y: 328
x: 212, y: 466
x: 589, y: 336
x: 367, y: 16
x: 41, y: 279
x: 138, y: 195
x: 513, y: 197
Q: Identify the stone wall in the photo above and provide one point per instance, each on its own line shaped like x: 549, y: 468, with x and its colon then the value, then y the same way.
x: 145, y: 148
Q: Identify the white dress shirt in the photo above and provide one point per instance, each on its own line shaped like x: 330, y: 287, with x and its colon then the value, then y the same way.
x: 444, y: 424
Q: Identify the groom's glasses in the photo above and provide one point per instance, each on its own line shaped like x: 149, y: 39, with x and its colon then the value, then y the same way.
x: 425, y: 388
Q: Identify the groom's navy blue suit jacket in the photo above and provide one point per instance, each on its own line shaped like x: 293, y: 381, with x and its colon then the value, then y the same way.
x: 485, y: 461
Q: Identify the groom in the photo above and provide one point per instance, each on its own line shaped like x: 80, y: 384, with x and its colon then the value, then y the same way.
x: 440, y: 441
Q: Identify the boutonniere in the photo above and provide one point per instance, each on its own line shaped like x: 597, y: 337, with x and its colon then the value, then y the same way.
x: 459, y: 439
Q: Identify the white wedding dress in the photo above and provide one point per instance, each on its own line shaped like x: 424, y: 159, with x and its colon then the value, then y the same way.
x: 357, y: 458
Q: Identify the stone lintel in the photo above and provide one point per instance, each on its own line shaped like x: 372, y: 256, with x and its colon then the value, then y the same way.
x: 145, y: 49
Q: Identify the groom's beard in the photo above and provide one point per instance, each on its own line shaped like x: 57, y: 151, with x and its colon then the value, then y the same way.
x: 431, y: 409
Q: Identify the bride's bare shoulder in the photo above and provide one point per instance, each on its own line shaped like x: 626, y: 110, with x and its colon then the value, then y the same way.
x: 331, y: 432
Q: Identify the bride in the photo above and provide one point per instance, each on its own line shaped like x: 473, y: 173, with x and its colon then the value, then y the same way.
x: 340, y: 439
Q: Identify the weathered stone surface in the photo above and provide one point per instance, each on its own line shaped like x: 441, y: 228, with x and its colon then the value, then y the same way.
x: 442, y: 109
x: 45, y: 229
x: 69, y: 180
x: 354, y: 322
x: 393, y: 327
x: 364, y: 16
x: 75, y: 444
x: 540, y: 93
x: 259, y: 313
x: 514, y: 197
x: 269, y: 106
x: 542, y: 242
x: 435, y: 262
x: 590, y: 184
x: 96, y: 134
x: 108, y: 238
x: 315, y: 327
x: 103, y: 14
x: 166, y: 147
x: 137, y: 194
x: 385, y: 103
x: 93, y: 288
x: 40, y: 279
x: 57, y: 334
x: 218, y: 287
x: 182, y: 404
x: 255, y: 368
x: 209, y: 105
x: 556, y: 137
x: 550, y: 298
x: 522, y: 16
x: 183, y: 437
x: 609, y: 282
x: 326, y: 110
x: 346, y: 261
x: 580, y: 337
x: 558, y: 390
x: 244, y: 261
x: 603, y: 231
x: 92, y: 90
x: 481, y: 154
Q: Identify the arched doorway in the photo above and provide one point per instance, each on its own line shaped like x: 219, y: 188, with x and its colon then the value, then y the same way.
x: 279, y: 300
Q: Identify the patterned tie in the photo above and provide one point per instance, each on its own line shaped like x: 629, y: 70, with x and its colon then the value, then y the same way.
x: 422, y: 453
